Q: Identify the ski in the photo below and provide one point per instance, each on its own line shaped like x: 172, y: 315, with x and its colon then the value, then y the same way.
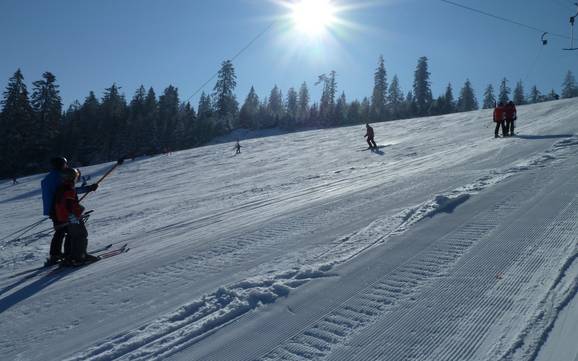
x: 45, y: 266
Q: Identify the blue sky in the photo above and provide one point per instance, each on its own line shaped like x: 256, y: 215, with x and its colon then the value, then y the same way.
x: 89, y: 45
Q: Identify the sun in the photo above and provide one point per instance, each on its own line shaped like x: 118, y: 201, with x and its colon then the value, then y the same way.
x: 313, y: 17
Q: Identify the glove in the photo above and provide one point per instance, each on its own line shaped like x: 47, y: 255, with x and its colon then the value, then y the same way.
x: 72, y: 219
x: 93, y: 187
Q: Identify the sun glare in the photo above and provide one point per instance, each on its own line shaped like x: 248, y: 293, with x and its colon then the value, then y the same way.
x: 313, y: 17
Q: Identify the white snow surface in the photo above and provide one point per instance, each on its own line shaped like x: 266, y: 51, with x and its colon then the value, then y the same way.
x: 445, y: 244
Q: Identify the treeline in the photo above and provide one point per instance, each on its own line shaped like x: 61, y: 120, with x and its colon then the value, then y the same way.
x: 35, y: 127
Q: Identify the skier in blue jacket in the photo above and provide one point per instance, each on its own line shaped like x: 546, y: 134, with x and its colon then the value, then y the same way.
x: 50, y: 184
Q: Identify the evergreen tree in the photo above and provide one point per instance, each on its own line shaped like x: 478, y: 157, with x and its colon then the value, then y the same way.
x: 303, y: 104
x: 379, y: 96
x: 205, y: 114
x: 89, y: 120
x: 205, y: 108
x: 114, y: 123
x: 226, y: 105
x: 168, y: 117
x: 20, y: 144
x: 422, y: 87
x: 353, y: 112
x: 467, y: 100
x: 47, y: 104
x: 535, y: 95
x: 489, y: 97
x: 341, y: 110
x: 136, y: 121
x: 292, y: 109
x: 569, y: 87
x: 151, y: 143
x: 365, y: 111
x: 449, y: 104
x: 249, y: 111
x: 410, y: 107
x: 327, y: 104
x: 519, y: 98
x: 504, y: 95
x: 275, y: 105
x: 395, y: 99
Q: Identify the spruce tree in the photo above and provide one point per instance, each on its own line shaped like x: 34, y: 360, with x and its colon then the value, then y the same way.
x: 47, y: 104
x: 341, y: 110
x: 275, y: 105
x: 489, y: 97
x: 504, y: 95
x: 249, y: 110
x: 136, y: 121
x: 292, y: 108
x: 113, y: 125
x: 226, y: 105
x: 327, y: 103
x: 21, y: 145
x: 535, y: 95
x: 379, y: 96
x: 303, y: 104
x: 168, y: 117
x: 395, y: 99
x: 449, y: 105
x: 569, y: 87
x: 467, y: 100
x: 353, y: 112
x: 519, y: 98
x: 422, y: 87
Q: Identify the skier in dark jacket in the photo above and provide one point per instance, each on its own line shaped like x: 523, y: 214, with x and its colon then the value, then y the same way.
x: 369, y: 135
x: 510, y: 115
x: 50, y: 185
x: 237, y: 148
x: 68, y: 213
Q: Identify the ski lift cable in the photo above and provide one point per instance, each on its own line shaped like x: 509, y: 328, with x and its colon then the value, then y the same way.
x: 239, y: 53
x: 505, y: 19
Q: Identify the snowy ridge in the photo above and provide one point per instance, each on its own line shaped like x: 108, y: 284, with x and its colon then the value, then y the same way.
x: 197, y: 319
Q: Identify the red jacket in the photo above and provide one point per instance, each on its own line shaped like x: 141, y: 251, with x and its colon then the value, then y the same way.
x: 499, y: 114
x: 510, y: 111
x: 66, y: 203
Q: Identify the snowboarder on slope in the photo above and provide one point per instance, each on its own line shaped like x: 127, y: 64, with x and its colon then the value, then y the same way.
x: 369, y: 135
x: 68, y: 213
x: 499, y: 114
x: 510, y: 115
x: 237, y: 148
x: 50, y: 184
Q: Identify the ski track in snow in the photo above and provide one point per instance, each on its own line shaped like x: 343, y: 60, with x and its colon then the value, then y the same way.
x: 357, y: 327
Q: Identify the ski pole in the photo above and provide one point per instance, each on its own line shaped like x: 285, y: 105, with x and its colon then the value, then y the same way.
x: 118, y: 162
x: 22, y: 231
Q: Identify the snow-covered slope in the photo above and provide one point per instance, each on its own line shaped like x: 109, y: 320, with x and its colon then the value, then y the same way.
x: 446, y: 244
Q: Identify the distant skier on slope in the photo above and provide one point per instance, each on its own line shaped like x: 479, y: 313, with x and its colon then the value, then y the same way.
x: 237, y: 148
x: 510, y: 115
x: 49, y: 185
x: 499, y: 114
x: 68, y: 213
x: 370, y: 135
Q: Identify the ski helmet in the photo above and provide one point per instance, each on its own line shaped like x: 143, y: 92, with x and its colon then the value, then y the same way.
x: 69, y: 175
x: 59, y: 163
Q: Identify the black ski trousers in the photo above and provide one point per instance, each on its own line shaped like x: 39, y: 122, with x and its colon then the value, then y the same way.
x: 76, y: 241
x: 371, y: 142
x: 499, y: 124
x: 57, y: 238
